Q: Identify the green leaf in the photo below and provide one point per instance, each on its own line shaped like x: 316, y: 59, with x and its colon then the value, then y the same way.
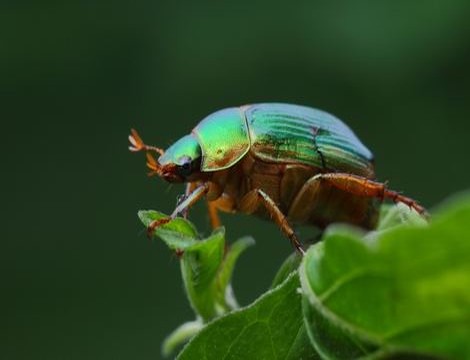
x: 177, y: 234
x: 224, y: 290
x: 181, y: 335
x: 398, y: 214
x: 207, y: 271
x: 270, y: 328
x: 289, y: 265
x: 403, y: 291
x: 199, y: 266
x: 206, y: 268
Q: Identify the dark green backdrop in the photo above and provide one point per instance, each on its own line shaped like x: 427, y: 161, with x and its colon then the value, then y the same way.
x: 79, y: 278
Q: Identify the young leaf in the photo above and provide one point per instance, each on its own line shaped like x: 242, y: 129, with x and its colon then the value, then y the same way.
x: 200, y: 265
x: 224, y: 276
x: 270, y: 328
x: 177, y: 234
x: 180, y: 335
x: 289, y: 265
x: 206, y: 266
x: 398, y: 214
x: 404, y: 291
x: 207, y: 271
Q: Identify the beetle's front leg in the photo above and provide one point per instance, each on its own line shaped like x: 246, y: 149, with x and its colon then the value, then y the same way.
x: 251, y: 202
x: 182, y: 207
x: 189, y: 189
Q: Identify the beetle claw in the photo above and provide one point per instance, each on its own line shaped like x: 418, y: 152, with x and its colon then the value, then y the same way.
x: 179, y: 253
x: 155, y: 224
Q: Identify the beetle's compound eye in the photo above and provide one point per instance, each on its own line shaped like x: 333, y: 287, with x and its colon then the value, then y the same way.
x: 185, y: 166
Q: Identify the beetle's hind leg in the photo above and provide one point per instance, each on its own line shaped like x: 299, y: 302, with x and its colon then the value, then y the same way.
x: 358, y: 185
x: 251, y: 202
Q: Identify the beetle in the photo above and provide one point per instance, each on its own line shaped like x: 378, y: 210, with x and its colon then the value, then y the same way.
x: 289, y: 163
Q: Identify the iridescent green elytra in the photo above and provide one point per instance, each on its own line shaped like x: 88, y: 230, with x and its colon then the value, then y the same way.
x: 280, y: 133
x: 289, y: 163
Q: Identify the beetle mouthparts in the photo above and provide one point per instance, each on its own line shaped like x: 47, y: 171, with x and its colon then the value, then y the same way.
x: 153, y: 165
x: 137, y: 145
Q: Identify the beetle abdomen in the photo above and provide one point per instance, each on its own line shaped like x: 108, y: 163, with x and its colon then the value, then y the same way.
x: 302, y: 199
x: 287, y: 134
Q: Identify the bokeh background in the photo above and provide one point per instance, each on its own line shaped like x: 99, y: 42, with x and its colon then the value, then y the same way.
x: 79, y: 279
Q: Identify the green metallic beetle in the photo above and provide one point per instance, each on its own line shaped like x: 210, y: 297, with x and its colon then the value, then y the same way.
x: 290, y: 163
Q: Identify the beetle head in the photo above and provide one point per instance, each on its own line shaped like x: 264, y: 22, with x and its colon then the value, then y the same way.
x: 180, y: 162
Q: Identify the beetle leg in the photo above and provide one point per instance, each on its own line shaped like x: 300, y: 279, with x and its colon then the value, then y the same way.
x: 361, y: 186
x: 213, y: 215
x: 251, y: 202
x: 179, y: 199
x: 189, y: 189
x: 225, y: 204
x: 189, y: 201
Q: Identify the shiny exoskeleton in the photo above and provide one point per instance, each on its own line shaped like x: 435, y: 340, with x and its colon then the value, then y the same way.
x: 289, y: 163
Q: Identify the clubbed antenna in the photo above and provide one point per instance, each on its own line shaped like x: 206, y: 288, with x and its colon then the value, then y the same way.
x: 138, y: 145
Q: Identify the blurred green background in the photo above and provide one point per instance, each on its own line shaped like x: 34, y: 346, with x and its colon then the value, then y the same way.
x: 79, y: 278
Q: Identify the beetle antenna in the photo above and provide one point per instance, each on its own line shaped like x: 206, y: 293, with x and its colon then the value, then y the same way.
x: 139, y: 145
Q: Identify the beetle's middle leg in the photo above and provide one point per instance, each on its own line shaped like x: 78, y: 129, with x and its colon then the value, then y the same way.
x: 181, y: 208
x: 213, y: 215
x: 223, y: 203
x: 251, y: 202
